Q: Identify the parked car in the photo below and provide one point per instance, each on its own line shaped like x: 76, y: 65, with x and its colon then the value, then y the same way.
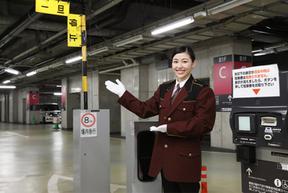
x: 48, y: 111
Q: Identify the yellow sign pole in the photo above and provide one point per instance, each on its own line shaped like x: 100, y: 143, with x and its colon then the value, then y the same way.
x: 84, y: 62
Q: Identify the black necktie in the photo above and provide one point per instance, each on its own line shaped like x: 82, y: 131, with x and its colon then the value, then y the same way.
x: 175, y: 93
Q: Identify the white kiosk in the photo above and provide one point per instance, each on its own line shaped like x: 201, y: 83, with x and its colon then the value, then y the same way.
x: 91, y: 151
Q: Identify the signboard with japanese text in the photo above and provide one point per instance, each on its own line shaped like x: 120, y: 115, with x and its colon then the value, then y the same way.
x: 74, y: 38
x: 63, y: 97
x: 54, y: 7
x: 259, y: 81
x: 265, y: 176
x: 88, y: 125
x: 222, y: 76
x: 33, y: 97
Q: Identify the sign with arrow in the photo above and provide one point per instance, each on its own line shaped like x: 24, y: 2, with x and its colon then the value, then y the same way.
x: 259, y: 81
x: 265, y: 176
x: 222, y: 78
x: 249, y: 171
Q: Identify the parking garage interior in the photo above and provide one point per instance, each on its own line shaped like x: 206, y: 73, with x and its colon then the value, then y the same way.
x: 36, y: 157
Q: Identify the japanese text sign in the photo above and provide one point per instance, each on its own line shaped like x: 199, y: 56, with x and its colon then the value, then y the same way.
x: 259, y: 81
x: 54, y: 7
x: 74, y: 38
x: 88, y: 125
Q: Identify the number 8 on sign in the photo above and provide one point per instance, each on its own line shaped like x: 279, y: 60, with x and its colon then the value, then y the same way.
x: 88, y: 119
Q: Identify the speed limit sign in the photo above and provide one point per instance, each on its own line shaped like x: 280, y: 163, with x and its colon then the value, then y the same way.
x: 88, y: 124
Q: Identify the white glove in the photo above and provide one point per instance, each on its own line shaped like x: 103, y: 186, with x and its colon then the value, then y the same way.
x: 160, y: 128
x: 118, y: 88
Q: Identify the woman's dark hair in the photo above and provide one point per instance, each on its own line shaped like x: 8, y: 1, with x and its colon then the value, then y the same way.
x: 186, y: 49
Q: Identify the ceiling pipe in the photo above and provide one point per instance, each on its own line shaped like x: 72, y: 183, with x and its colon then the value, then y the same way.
x: 118, y: 68
x: 37, y: 25
x: 104, y: 8
x: 42, y: 44
x: 17, y: 30
x: 35, y: 48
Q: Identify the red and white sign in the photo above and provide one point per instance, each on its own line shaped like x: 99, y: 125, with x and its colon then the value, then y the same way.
x: 32, y: 98
x: 63, y: 97
x: 222, y: 75
x: 259, y: 81
x: 88, y: 125
x: 222, y: 71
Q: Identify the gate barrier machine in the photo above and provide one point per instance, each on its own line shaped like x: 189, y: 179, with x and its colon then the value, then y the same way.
x: 260, y: 132
x: 139, y: 145
x: 91, y: 151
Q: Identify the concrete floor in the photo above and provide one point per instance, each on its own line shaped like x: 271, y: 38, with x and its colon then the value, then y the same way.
x: 38, y: 159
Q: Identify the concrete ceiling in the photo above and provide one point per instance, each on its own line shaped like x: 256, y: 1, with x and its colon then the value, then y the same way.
x: 32, y: 41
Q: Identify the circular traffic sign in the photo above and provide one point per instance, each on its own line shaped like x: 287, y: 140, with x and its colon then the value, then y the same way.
x: 88, y: 119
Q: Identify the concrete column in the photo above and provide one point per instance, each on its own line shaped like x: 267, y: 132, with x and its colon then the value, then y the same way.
x: 13, y: 106
x: 64, y: 112
x: 221, y: 136
x: 130, y: 78
x: 71, y: 88
x: 2, y: 108
x: 105, y: 102
x: 93, y: 90
x: 32, y: 117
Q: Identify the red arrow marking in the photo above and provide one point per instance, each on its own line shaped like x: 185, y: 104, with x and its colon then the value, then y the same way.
x: 256, y: 90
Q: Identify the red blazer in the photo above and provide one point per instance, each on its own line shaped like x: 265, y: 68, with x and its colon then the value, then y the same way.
x: 177, y: 153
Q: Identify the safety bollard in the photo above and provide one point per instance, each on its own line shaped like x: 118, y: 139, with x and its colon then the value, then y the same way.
x: 204, y: 185
x: 56, y: 123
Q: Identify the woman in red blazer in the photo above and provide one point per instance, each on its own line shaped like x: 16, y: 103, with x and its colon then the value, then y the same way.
x: 186, y: 110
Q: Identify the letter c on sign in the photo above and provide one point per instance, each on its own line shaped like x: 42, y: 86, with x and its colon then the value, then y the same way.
x: 220, y: 72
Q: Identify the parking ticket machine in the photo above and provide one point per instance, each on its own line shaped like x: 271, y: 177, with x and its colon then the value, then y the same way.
x: 260, y: 132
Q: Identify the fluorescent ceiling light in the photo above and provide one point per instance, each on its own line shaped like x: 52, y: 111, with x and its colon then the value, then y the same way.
x: 200, y: 14
x: 59, y: 86
x: 97, y: 51
x: 12, y: 71
x: 261, y: 54
x: 7, y: 87
x: 226, y: 6
x: 31, y: 73
x: 264, y: 52
x: 73, y: 90
x: 254, y: 51
x: 128, y: 41
x: 171, y: 26
x: 260, y: 31
x: 57, y: 93
x: 74, y: 59
x: 6, y: 81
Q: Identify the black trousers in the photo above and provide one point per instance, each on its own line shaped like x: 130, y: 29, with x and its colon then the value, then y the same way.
x: 179, y: 187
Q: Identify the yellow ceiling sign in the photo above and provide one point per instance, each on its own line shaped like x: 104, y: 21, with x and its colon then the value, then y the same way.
x: 74, y: 38
x: 54, y: 7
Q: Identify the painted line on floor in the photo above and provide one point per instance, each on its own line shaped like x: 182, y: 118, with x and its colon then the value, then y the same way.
x: 52, y: 185
x: 11, y: 179
x: 115, y: 187
x: 5, y: 181
x: 16, y: 134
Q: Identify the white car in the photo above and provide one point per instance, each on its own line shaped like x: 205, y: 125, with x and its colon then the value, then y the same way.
x: 49, y: 111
